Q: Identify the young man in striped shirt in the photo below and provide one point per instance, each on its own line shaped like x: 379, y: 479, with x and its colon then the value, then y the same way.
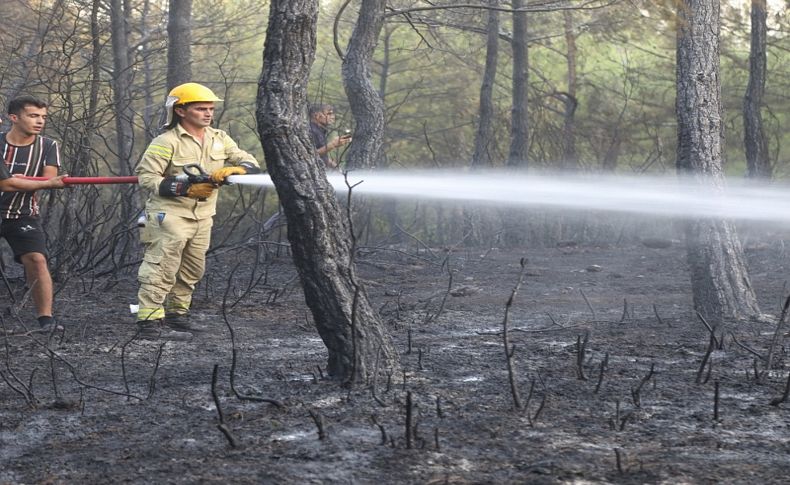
x: 25, y: 152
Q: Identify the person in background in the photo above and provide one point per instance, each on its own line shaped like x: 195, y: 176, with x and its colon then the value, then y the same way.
x: 27, y: 153
x: 322, y: 116
x: 179, y: 213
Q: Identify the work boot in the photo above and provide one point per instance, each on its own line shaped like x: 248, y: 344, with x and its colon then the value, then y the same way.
x: 48, y: 324
x: 156, y: 330
x: 181, y: 323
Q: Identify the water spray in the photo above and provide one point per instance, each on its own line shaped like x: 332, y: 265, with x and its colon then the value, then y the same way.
x: 669, y: 196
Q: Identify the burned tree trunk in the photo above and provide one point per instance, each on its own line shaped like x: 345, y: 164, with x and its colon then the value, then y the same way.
x: 367, y: 150
x: 319, y: 236
x: 484, y: 138
x: 757, y: 162
x: 179, y: 40
x: 519, y: 132
x: 122, y: 87
x: 569, y: 157
x: 719, y: 277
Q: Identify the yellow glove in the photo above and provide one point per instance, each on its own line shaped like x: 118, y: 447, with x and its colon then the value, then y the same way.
x: 219, y: 175
x: 200, y: 191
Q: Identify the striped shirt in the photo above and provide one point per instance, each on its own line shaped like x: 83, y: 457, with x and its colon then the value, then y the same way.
x: 30, y: 161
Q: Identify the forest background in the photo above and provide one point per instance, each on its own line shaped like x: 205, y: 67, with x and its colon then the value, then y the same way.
x: 601, y: 95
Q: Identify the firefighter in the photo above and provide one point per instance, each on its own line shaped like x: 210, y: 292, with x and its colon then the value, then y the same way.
x: 179, y: 213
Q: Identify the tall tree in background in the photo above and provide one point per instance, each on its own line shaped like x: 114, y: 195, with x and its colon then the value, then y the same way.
x: 569, y: 157
x: 484, y: 137
x: 122, y: 87
x: 322, y: 248
x: 757, y: 163
x: 365, y: 102
x: 519, y: 131
x: 719, y: 278
x: 179, y: 43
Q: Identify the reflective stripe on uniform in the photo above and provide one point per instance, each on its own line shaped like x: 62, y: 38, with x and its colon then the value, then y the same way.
x: 159, y: 150
x: 177, y: 307
x: 146, y: 314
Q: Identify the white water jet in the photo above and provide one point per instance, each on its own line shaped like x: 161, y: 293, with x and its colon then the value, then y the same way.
x: 669, y: 196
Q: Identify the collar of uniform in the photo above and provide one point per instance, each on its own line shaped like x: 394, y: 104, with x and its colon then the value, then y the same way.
x: 180, y: 131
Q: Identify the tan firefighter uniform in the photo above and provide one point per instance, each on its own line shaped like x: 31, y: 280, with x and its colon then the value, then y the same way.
x: 177, y: 233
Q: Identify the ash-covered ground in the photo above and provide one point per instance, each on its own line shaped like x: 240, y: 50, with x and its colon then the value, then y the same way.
x: 617, y: 378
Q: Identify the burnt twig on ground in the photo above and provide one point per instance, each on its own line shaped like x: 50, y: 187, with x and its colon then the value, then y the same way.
x: 592, y: 310
x: 54, y: 375
x: 536, y: 416
x: 716, y: 401
x: 73, y: 371
x: 636, y: 393
x: 746, y: 348
x: 711, y: 346
x: 658, y: 317
x: 374, y: 385
x: 234, y: 352
x: 123, y: 360
x: 618, y: 460
x: 224, y: 428
x: 604, y: 364
x: 625, y: 311
x: 581, y: 350
x: 10, y: 377
x: 710, y: 329
x: 320, y: 424
x: 152, y: 380
x: 409, y: 419
x: 510, y: 350
x: 619, y: 421
x: 554, y: 322
x: 433, y: 317
x: 775, y: 340
x: 785, y: 394
x: 381, y: 428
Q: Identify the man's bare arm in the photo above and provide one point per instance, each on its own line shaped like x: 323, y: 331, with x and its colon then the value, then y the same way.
x: 18, y: 184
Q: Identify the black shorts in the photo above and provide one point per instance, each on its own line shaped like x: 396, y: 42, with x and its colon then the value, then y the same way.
x: 24, y: 235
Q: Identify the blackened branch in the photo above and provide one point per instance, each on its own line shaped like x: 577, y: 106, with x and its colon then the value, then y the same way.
x: 782, y: 399
x: 510, y: 350
x: 224, y: 428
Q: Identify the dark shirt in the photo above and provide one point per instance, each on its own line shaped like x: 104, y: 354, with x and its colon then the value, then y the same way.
x: 30, y: 161
x: 318, y: 135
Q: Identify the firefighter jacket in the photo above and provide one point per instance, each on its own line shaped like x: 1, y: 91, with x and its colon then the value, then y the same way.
x: 167, y: 155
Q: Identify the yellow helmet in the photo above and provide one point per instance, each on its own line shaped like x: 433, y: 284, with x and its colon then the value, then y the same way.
x: 187, y: 93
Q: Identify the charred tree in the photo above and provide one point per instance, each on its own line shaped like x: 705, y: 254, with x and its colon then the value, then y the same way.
x: 122, y: 81
x: 179, y: 41
x: 519, y: 131
x: 319, y: 236
x: 122, y: 86
x: 82, y: 162
x: 484, y: 138
x: 757, y: 163
x: 719, y: 278
x: 363, y: 98
x: 569, y: 157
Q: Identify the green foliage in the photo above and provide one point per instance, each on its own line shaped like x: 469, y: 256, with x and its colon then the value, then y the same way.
x: 427, y: 64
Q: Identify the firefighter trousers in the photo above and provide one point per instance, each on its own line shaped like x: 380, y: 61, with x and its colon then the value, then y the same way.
x: 174, y: 262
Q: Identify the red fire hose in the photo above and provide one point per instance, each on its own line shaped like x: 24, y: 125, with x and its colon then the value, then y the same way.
x: 92, y: 180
